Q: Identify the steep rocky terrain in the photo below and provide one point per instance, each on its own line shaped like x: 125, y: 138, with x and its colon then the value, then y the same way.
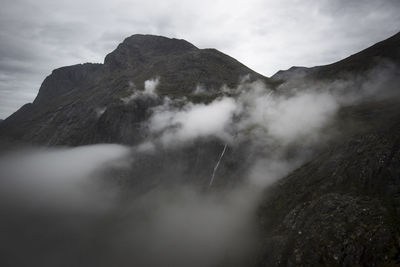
x: 342, y: 208
x: 338, y: 203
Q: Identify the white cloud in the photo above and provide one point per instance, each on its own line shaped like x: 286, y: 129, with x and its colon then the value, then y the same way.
x: 299, y: 116
x: 58, y: 176
x: 193, y: 120
x: 258, y: 111
x: 150, y: 86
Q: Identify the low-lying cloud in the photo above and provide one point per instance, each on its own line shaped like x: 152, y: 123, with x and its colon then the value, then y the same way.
x: 256, y: 111
x: 60, y: 199
x: 61, y: 177
x: 150, y: 87
x: 193, y: 120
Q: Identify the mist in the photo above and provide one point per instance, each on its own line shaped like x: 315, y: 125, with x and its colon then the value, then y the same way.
x: 57, y: 176
x: 60, y: 202
x: 81, y: 206
x: 193, y: 120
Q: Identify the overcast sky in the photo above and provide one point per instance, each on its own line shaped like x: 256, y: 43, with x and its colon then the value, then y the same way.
x: 37, y: 36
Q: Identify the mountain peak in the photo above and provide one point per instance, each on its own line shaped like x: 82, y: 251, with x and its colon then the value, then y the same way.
x: 138, y: 48
x: 157, y: 41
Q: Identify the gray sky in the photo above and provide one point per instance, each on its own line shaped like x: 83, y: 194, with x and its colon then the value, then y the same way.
x: 37, y: 36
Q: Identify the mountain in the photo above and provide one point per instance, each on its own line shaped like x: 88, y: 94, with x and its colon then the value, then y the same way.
x: 67, y: 108
x: 302, y: 168
x: 384, y: 52
x: 342, y: 207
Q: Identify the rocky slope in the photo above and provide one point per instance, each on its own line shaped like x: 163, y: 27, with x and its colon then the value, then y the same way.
x: 342, y: 208
x: 385, y: 52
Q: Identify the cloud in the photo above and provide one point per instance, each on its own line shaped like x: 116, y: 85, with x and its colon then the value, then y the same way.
x: 57, y: 177
x: 193, y: 120
x: 186, y: 227
x: 281, y: 127
x: 298, y: 116
x: 68, y: 195
x: 266, y: 171
x: 150, y: 87
x: 297, y: 112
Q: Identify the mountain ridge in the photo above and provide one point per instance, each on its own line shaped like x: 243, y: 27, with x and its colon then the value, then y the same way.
x: 361, y: 62
x: 126, y: 69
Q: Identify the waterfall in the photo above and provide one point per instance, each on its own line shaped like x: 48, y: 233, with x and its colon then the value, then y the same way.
x: 217, y: 165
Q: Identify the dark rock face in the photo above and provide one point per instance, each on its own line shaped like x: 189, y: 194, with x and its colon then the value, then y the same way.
x: 138, y: 50
x: 340, y: 209
x: 66, y: 79
x: 123, y: 123
x: 335, y: 230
